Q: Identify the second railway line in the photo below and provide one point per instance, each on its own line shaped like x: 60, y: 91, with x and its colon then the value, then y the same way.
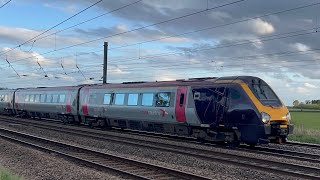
x: 255, y: 163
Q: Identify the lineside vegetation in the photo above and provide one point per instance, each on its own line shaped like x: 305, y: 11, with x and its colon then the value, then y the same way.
x: 6, y: 175
x: 307, y: 126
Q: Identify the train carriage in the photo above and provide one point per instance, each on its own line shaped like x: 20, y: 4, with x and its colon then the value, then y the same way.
x: 52, y: 102
x: 236, y: 110
x: 134, y: 107
x: 232, y: 109
x: 6, y: 102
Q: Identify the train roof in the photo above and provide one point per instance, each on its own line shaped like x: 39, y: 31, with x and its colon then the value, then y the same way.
x: 50, y: 88
x: 179, y: 82
x: 138, y: 84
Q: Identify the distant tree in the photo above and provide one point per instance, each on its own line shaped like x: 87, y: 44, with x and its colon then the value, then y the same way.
x: 301, y: 103
x: 296, y: 103
x: 308, y: 102
x: 315, y: 102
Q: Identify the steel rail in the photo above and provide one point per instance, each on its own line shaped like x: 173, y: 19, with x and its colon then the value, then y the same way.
x: 316, y: 146
x: 131, y: 168
x: 244, y: 161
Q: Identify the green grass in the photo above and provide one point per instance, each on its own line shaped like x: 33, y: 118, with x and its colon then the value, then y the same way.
x: 307, y: 127
x: 6, y: 175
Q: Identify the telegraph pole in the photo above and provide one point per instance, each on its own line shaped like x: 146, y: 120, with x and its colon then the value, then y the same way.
x: 105, y: 62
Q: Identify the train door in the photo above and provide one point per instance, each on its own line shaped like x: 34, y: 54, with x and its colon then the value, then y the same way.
x: 181, y: 104
x: 84, y: 101
x: 68, y: 102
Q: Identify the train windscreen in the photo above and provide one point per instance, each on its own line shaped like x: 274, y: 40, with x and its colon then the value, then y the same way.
x: 264, y: 93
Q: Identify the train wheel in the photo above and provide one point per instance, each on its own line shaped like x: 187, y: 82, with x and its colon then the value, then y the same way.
x: 279, y: 140
x: 284, y: 139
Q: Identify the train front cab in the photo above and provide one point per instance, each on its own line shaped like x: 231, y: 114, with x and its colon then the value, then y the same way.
x: 234, y: 113
x: 273, y: 113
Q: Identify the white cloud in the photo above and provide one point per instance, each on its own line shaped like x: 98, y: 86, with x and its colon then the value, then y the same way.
x: 194, y: 61
x: 261, y: 27
x: 17, y: 35
x: 174, y: 39
x: 28, y: 57
x: 309, y: 85
x: 70, y: 8
x: 300, y: 47
x: 302, y: 90
x: 218, y: 15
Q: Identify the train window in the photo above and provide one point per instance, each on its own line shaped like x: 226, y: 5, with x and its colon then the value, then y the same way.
x: 181, y: 99
x: 55, y: 98
x: 42, y: 98
x: 62, y: 98
x: 234, y: 94
x: 163, y: 99
x: 31, y: 98
x: 119, y: 99
x: 49, y: 98
x: 37, y: 98
x: 107, y: 99
x: 133, y: 99
x: 264, y: 93
x: 147, y: 99
x: 26, y: 99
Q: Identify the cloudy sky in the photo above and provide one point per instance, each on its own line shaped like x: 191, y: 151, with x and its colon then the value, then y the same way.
x: 276, y: 40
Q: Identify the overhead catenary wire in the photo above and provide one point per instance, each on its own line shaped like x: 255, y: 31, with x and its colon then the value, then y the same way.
x: 182, y: 66
x: 242, y: 42
x: 5, y: 4
x: 11, y: 49
x: 226, y: 45
x: 13, y: 68
x: 205, y: 64
x: 219, y: 26
x: 45, y: 74
x: 267, y: 55
x: 207, y: 73
x: 136, y: 29
x: 193, y: 74
x: 290, y: 52
x: 91, y: 19
x: 213, y: 27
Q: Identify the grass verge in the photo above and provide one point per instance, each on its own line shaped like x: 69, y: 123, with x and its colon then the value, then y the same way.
x: 307, y: 127
x: 6, y: 175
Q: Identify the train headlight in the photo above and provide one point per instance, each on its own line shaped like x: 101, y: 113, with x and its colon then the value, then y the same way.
x: 265, y: 117
x: 288, y: 116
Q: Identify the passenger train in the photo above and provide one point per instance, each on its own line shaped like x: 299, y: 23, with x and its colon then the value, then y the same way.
x: 233, y: 110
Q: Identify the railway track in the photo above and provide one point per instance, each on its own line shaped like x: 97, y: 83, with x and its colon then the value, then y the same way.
x: 102, y: 161
x: 97, y: 134
x: 295, y: 170
x: 316, y: 146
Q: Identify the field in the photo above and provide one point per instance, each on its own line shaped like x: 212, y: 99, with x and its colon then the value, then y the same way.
x: 5, y: 175
x: 307, y: 126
